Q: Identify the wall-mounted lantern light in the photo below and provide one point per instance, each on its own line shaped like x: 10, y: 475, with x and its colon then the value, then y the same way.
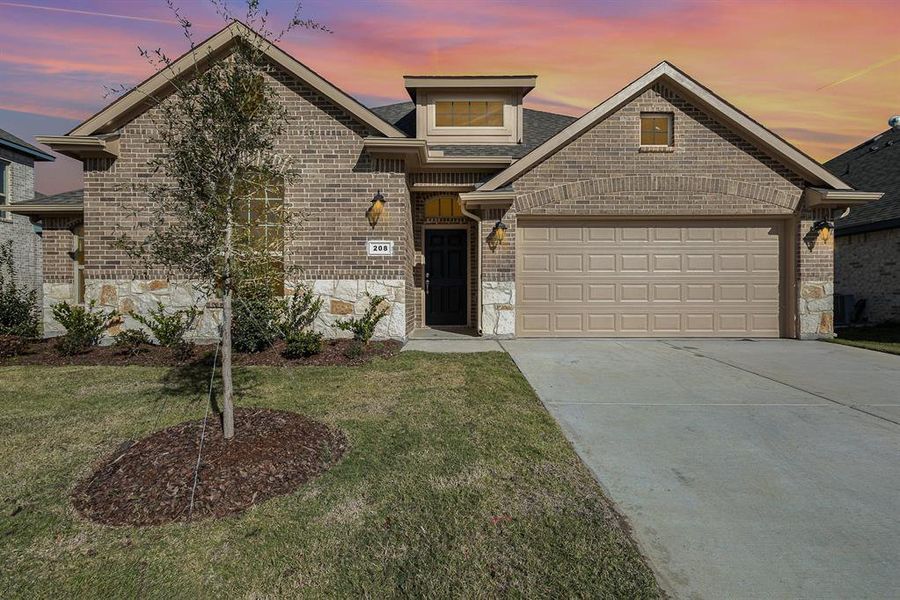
x: 498, y: 234
x: 824, y: 227
x: 375, y: 211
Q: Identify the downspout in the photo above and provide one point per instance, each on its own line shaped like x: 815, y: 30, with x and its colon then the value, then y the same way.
x: 477, y: 219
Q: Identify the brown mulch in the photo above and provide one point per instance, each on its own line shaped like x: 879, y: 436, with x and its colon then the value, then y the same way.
x: 43, y: 352
x: 272, y: 453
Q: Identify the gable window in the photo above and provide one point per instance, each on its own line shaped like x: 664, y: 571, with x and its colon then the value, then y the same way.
x: 656, y: 129
x: 4, y: 188
x: 468, y: 113
x: 444, y: 206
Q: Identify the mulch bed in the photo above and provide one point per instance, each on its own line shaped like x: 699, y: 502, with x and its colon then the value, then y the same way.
x: 271, y: 454
x: 42, y: 352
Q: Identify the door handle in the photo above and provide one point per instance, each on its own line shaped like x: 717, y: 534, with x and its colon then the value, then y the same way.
x: 427, y: 281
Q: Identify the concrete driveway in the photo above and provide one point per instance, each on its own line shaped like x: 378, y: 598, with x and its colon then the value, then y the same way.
x: 748, y: 469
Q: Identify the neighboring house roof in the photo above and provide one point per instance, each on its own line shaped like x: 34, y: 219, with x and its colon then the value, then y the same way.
x: 12, y: 142
x: 537, y: 127
x: 873, y: 165
x: 64, y: 202
x: 695, y: 92
x: 134, y: 102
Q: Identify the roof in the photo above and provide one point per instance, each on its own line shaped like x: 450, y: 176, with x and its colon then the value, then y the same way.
x: 64, y: 202
x: 666, y: 72
x: 873, y: 165
x: 537, y: 127
x: 12, y: 142
x: 213, y: 47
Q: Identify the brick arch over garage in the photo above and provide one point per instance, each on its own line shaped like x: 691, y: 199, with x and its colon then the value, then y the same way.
x: 780, y: 201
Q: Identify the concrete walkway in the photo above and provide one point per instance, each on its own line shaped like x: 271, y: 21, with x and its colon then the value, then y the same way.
x: 765, y: 469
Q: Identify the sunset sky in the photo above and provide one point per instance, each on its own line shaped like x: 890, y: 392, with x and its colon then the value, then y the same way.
x: 824, y: 75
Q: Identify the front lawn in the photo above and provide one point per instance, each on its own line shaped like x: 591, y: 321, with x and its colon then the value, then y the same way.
x: 456, y: 483
x: 883, y: 338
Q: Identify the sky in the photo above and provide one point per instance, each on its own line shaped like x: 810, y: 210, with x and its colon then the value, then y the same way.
x: 824, y: 75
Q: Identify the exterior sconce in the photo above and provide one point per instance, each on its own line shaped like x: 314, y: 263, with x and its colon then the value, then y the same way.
x: 373, y: 214
x: 498, y: 234
x: 824, y: 228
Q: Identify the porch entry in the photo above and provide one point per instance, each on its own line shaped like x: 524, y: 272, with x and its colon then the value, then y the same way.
x: 446, y: 276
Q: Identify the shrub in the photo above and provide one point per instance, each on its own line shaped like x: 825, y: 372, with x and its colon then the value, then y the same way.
x: 168, y: 329
x: 363, y: 328
x: 354, y: 349
x: 132, y: 341
x: 183, y: 351
x: 12, y: 345
x: 298, y: 312
x: 84, y: 326
x: 19, y: 314
x: 301, y: 344
x: 254, y: 317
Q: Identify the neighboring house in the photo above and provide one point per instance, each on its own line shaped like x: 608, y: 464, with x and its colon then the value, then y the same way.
x: 867, y: 248
x: 17, y: 159
x: 664, y: 211
x: 60, y: 219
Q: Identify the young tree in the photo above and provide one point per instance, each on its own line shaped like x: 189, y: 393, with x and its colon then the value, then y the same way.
x: 216, y: 200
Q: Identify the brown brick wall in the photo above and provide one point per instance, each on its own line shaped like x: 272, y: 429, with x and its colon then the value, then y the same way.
x: 328, y: 199
x: 57, y: 249
x: 867, y: 266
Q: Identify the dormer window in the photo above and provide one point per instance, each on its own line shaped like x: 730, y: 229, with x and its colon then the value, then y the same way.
x: 468, y: 113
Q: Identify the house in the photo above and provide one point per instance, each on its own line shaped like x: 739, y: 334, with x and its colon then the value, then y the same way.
x: 60, y: 217
x: 664, y: 211
x: 867, y: 244
x: 17, y: 159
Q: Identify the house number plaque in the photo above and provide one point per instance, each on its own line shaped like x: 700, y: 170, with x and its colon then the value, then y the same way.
x: 380, y: 248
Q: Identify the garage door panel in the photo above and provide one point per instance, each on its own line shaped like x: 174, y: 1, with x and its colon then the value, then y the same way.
x: 648, y: 279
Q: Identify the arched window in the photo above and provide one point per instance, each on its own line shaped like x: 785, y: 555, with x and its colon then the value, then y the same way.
x: 443, y: 206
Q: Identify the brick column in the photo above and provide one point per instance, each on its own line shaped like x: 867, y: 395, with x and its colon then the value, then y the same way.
x: 815, y: 276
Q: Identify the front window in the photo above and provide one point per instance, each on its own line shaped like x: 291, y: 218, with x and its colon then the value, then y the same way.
x: 4, y: 187
x: 656, y: 129
x: 261, y: 223
x: 468, y: 113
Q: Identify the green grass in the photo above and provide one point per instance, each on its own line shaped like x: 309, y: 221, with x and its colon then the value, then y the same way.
x: 882, y: 338
x: 440, y: 446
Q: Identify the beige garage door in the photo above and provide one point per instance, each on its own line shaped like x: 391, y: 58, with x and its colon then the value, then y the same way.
x: 647, y: 279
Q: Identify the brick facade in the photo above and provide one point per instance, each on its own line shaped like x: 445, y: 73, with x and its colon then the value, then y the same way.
x: 18, y: 229
x: 867, y: 266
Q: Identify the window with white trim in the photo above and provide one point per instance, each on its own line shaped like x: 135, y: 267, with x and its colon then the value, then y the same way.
x: 4, y: 187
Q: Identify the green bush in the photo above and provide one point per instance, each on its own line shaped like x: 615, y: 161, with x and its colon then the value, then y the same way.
x: 168, y: 329
x: 354, y: 349
x: 363, y: 328
x: 132, y: 341
x: 84, y: 326
x: 254, y: 317
x: 301, y: 344
x: 298, y: 312
x: 19, y: 314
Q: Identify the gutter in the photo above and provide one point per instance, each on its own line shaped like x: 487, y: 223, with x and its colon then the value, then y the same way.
x: 416, y: 152
x: 40, y: 209
x: 32, y: 152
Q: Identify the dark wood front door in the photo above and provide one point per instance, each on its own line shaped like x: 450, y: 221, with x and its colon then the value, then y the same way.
x: 446, y: 269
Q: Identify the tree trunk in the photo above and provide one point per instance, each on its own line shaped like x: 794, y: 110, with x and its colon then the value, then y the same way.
x: 227, y: 382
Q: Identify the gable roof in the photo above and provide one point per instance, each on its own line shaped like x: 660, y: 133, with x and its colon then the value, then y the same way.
x: 537, y: 127
x: 694, y: 91
x: 872, y: 165
x: 134, y: 102
x: 8, y: 140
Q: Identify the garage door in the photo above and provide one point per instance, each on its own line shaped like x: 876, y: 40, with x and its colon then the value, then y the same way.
x: 647, y: 279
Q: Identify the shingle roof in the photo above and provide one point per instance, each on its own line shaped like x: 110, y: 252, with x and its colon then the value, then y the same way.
x: 873, y: 166
x: 537, y: 127
x: 18, y: 144
x: 73, y: 198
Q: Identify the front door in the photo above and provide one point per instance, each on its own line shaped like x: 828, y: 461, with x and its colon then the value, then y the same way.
x: 446, y: 269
